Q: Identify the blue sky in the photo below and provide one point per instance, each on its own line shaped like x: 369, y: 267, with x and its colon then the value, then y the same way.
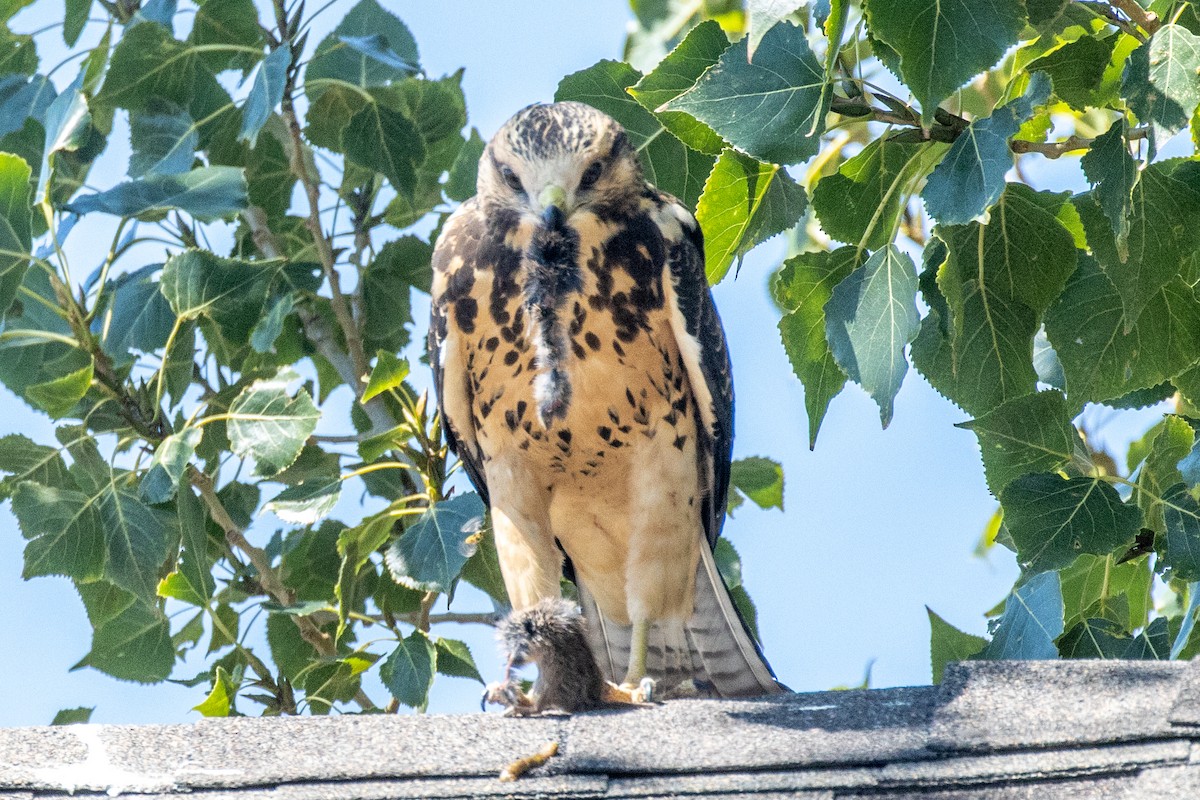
x: 878, y: 524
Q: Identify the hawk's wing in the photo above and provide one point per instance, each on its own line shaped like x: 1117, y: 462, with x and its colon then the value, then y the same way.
x: 458, y: 247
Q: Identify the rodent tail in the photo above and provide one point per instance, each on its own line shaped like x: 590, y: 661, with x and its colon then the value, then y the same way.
x: 713, y: 648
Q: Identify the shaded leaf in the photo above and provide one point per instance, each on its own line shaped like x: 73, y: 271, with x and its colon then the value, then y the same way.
x: 337, y: 60
x: 1077, y: 69
x: 1028, y: 434
x: 1052, y: 519
x: 164, y: 142
x: 1182, y: 516
x: 1113, y: 172
x: 772, y: 108
x: 408, y: 671
x: 869, y: 318
x: 1032, y: 620
x: 941, y: 43
x: 759, y: 479
x: 1095, y: 638
x: 947, y: 643
x: 207, y: 193
x: 167, y: 468
x: 388, y: 373
x: 385, y: 141
x: 460, y: 185
x: 135, y: 645
x: 265, y: 93
x: 308, y: 502
x: 454, y: 659
x: 432, y: 551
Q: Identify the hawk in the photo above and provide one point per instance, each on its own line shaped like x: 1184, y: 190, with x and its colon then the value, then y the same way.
x: 584, y: 380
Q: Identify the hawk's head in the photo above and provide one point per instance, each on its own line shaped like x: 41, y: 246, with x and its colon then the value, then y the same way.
x: 551, y: 159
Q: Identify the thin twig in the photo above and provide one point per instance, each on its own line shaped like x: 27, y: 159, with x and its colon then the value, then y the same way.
x: 1109, y: 15
x: 1147, y: 20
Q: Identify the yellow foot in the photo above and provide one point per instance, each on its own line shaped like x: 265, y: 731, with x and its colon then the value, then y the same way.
x: 627, y: 694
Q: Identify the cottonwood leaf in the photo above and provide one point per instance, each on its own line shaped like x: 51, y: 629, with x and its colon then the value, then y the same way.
x: 802, y: 287
x: 26, y: 460
x: 64, y: 529
x: 1028, y: 434
x: 1162, y: 237
x: 677, y: 73
x: 307, y: 502
x: 861, y: 203
x: 138, y: 317
x: 947, y: 643
x: 195, y: 565
x: 745, y: 202
x: 1095, y: 638
x: 164, y: 142
x: 1098, y: 586
x: 1152, y: 644
x: 207, y: 193
x: 762, y: 15
x: 1052, y: 519
x: 1159, y: 471
x: 772, y: 108
x: 1113, y: 173
x: 57, y: 397
x: 338, y: 60
x: 432, y: 551
x: 1181, y: 514
x: 1101, y: 358
x: 408, y: 671
x: 454, y: 659
x: 267, y: 423
x: 135, y: 645
x: 387, y: 142
x: 265, y: 93
x: 167, y: 467
x: 869, y: 318
x: 16, y: 225
x: 971, y: 176
x: 1161, y: 84
x: 759, y: 479
x: 230, y: 292
x: 942, y: 43
x: 667, y: 162
x: 460, y: 183
x: 1032, y: 620
x: 1077, y: 69
x: 388, y: 373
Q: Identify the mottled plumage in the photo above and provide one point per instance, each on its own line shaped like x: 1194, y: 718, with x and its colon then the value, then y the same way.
x: 585, y: 382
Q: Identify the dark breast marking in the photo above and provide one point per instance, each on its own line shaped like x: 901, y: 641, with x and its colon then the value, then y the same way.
x: 639, y: 250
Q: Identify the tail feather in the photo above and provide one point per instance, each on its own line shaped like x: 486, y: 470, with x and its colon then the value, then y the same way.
x: 713, y: 647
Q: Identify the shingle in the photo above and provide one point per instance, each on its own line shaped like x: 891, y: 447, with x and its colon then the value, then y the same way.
x: 1186, y: 709
x: 1167, y: 782
x: 573, y: 786
x: 823, y: 728
x: 990, y: 705
x: 1104, y: 788
x: 808, y: 781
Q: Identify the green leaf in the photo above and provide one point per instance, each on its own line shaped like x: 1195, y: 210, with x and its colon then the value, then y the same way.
x: 408, y: 671
x: 1094, y: 638
x: 942, y: 43
x: 861, y: 203
x: 219, y: 702
x: 207, y: 193
x: 1188, y: 625
x: 1161, y: 84
x: 232, y: 23
x: 433, y: 550
x: 1096, y: 586
x: 745, y: 202
x: 1077, y: 69
x: 677, y: 73
x: 869, y: 318
x: 329, y: 114
x: 1160, y: 471
x: 229, y: 292
x: 65, y: 533
x: 267, y: 330
x: 401, y: 265
x: 311, y: 562
x: 1113, y: 173
x: 1052, y: 519
x: 76, y: 18
x: 16, y: 223
x: 762, y: 15
x: 759, y: 479
x: 947, y: 643
x: 23, y: 99
x: 138, y: 317
x: 388, y: 373
x: 164, y: 142
x: 454, y: 659
x: 1162, y: 238
x: 385, y: 141
x: 308, y: 502
x: 460, y: 184
x: 1101, y: 359
x: 74, y: 716
x: 167, y: 468
x: 102, y: 601
x: 667, y: 162
x: 195, y: 566
x: 1182, y: 516
x: 376, y: 47
x: 1032, y: 620
x: 59, y: 396
x: 148, y: 65
x: 335, y: 60
x: 270, y: 425
x: 138, y: 540
x: 971, y: 176
x: 1028, y: 434
x: 27, y: 460
x: 265, y: 93
x: 135, y: 646
x: 802, y: 288
x: 772, y: 108
x: 1153, y: 643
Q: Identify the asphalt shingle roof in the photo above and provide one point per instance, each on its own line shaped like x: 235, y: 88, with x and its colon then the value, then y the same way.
x: 995, y: 730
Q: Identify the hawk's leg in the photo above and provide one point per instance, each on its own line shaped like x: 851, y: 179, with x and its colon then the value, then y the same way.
x: 637, y: 653
x: 529, y: 561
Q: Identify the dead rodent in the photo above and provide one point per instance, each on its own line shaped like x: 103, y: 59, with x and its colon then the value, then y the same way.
x: 552, y: 635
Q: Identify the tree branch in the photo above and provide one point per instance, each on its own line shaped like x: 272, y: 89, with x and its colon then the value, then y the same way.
x: 1108, y: 14
x: 1147, y: 20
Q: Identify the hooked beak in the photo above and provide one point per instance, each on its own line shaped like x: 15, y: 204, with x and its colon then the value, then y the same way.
x: 554, y: 203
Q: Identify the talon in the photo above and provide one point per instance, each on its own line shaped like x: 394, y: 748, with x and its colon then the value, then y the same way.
x: 644, y: 693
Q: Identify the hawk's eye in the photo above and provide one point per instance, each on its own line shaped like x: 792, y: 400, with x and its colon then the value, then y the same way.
x: 591, y: 175
x: 511, y: 179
